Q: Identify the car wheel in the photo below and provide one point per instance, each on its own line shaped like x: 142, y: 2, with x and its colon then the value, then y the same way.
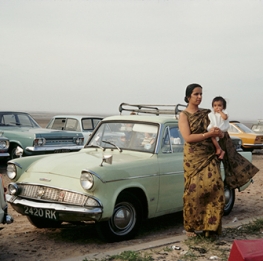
x: 125, y: 220
x: 229, y: 200
x: 43, y: 222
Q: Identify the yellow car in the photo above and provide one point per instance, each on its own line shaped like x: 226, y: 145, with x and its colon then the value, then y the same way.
x: 250, y: 139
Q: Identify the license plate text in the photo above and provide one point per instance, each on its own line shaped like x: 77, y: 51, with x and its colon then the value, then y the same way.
x: 42, y: 213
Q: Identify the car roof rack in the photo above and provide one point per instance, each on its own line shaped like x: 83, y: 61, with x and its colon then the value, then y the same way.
x: 173, y: 109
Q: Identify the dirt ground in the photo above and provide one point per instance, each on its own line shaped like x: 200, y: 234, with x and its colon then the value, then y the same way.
x: 21, y: 241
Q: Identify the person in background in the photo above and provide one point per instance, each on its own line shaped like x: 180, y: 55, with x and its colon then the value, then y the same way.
x: 218, y: 118
x: 203, y: 188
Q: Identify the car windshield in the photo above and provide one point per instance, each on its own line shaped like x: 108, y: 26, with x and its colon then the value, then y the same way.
x: 125, y: 135
x: 244, y: 128
x: 17, y: 119
x: 257, y: 128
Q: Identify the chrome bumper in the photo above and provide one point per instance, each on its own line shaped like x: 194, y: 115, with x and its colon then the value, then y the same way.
x: 253, y: 144
x: 54, y: 148
x: 4, y: 155
x: 65, y: 212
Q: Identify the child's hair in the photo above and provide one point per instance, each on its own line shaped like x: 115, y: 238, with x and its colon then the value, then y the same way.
x: 219, y: 98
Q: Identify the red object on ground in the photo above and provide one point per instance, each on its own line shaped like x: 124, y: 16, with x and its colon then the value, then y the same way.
x: 246, y: 250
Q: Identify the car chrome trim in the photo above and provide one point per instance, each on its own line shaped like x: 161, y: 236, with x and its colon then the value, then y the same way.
x: 54, y: 194
x: 4, y: 154
x: 135, y: 177
x: 15, y: 163
x: 253, y: 144
x: 95, y: 212
x: 53, y: 148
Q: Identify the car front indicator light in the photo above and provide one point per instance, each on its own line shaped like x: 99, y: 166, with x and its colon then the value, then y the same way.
x: 39, y: 141
x: 13, y: 189
x: 79, y: 141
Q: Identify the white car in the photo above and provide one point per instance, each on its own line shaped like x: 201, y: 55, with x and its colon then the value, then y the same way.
x: 79, y: 123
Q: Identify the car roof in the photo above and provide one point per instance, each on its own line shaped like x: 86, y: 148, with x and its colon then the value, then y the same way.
x: 143, y: 118
x: 77, y: 116
x: 15, y: 112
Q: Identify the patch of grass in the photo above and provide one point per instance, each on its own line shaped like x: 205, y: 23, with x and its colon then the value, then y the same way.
x: 252, y: 228
x: 127, y: 256
x: 198, y: 246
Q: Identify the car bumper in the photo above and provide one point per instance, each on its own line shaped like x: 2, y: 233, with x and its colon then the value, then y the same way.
x: 64, y: 212
x: 2, y: 155
x: 53, y: 149
x: 252, y: 145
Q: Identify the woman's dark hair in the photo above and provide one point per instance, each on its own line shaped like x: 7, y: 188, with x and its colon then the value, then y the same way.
x: 189, y: 90
x: 219, y: 98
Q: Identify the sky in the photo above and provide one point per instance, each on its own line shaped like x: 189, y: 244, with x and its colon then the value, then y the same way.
x: 88, y: 56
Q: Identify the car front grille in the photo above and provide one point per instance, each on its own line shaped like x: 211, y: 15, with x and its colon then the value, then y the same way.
x: 52, y: 194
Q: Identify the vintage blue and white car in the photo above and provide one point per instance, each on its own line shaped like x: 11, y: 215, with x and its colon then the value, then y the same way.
x: 24, y: 132
x: 81, y: 123
x: 130, y: 169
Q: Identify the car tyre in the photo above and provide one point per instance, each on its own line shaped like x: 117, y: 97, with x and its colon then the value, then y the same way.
x: 43, y: 222
x: 125, y: 221
x: 230, y: 197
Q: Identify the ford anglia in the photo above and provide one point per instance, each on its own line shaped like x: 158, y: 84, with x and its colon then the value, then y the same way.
x: 131, y: 169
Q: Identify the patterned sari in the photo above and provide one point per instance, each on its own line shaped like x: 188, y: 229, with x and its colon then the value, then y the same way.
x: 238, y: 170
x: 204, y: 189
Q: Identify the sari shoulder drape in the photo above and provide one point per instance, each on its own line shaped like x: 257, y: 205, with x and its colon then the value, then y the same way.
x: 238, y: 170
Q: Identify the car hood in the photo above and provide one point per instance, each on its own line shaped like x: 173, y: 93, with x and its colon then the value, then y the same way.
x: 71, y: 164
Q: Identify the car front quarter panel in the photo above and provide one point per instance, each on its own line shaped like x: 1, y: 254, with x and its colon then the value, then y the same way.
x: 22, y: 164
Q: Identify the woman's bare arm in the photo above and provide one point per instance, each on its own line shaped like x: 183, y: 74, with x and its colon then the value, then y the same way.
x: 188, y: 137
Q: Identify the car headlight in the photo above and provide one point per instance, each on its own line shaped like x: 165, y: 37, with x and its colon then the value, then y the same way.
x: 4, y: 144
x: 79, y: 141
x: 11, y: 171
x: 13, y: 189
x: 86, y: 180
x: 39, y: 141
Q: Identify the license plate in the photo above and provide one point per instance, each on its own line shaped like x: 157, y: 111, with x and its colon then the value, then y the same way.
x: 41, y: 212
x: 61, y: 150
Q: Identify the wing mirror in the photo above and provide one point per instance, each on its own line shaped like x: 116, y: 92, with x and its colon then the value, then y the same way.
x: 106, y: 159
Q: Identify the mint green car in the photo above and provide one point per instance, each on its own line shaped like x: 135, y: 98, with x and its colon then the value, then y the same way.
x: 131, y: 169
x: 25, y: 133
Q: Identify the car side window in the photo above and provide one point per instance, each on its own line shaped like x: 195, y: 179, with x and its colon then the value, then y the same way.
x: 71, y: 125
x: 172, y: 141
x: 87, y: 124
x: 232, y: 129
x: 58, y: 124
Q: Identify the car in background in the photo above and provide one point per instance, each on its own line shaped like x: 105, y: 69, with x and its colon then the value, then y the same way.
x: 131, y: 169
x: 258, y: 127
x: 250, y: 139
x: 237, y: 143
x: 4, y: 217
x: 25, y: 133
x: 80, y: 123
x: 4, y: 146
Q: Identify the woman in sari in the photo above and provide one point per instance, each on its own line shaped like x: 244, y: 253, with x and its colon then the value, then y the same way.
x: 204, y: 189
